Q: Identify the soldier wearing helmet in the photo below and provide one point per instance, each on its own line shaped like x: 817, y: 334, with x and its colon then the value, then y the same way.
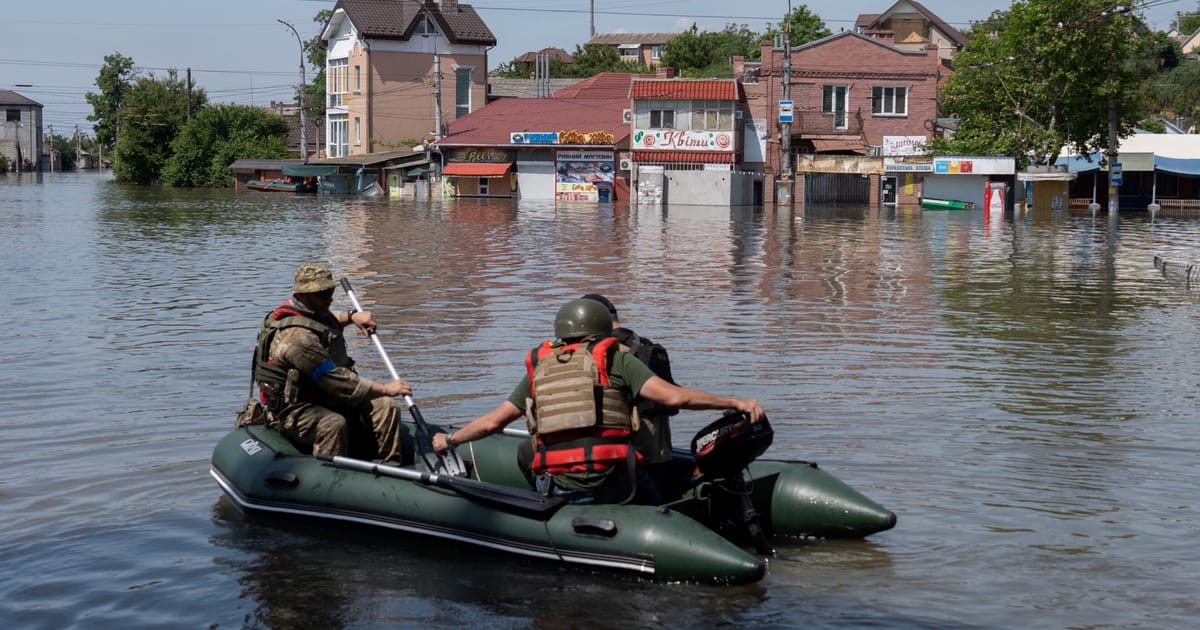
x: 578, y: 396
x: 307, y: 379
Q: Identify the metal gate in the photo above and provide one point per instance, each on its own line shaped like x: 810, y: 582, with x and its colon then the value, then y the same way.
x: 836, y: 188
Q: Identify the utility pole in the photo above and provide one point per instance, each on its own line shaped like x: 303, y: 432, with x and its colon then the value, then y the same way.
x: 437, y: 92
x: 1114, y: 195
x: 300, y: 93
x: 785, y: 142
x: 593, y: 12
x: 51, y: 151
x: 189, y: 95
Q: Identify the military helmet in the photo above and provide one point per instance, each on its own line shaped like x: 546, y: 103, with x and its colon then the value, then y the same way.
x: 313, y: 278
x: 582, y: 318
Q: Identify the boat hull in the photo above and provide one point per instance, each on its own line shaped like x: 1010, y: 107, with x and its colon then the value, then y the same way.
x: 261, y: 471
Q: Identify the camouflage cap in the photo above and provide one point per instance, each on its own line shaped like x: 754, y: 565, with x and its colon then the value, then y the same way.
x: 313, y: 278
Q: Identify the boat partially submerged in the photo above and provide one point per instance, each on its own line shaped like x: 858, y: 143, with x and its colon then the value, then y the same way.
x: 700, y: 535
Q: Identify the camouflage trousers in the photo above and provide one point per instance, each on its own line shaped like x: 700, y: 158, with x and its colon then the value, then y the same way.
x: 370, y: 432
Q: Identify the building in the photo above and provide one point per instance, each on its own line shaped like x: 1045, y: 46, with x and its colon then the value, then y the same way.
x: 398, y: 69
x: 908, y: 25
x: 21, y: 132
x: 857, y: 102
x: 290, y: 112
x: 641, y: 48
x: 569, y: 147
x: 688, y: 141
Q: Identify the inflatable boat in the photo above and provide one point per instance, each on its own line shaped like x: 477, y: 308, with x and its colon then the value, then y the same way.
x: 715, y: 528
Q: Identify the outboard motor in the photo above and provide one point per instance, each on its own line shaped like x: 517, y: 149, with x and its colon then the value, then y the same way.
x: 722, y: 451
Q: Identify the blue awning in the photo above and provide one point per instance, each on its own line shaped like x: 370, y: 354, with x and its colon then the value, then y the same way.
x: 1178, y: 166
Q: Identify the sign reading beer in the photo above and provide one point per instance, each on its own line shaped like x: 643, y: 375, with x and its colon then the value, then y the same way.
x: 682, y: 140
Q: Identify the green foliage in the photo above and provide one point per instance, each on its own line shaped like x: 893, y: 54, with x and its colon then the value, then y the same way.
x: 151, y: 116
x: 1151, y: 125
x: 1045, y: 80
x: 314, y: 92
x: 65, y: 147
x: 691, y: 49
x: 218, y: 136
x: 1189, y: 23
x: 4, y: 165
x: 805, y: 26
x: 114, y: 80
x: 1179, y: 90
x: 592, y: 59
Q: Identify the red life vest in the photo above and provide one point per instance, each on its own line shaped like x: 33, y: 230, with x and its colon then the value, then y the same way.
x: 579, y: 422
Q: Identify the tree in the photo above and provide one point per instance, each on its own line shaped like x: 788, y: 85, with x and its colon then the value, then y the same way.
x: 114, y: 80
x: 592, y: 59
x: 690, y: 50
x: 738, y: 39
x: 1041, y: 76
x: 65, y: 147
x: 153, y: 113
x: 218, y: 136
x: 805, y: 27
x: 314, y: 92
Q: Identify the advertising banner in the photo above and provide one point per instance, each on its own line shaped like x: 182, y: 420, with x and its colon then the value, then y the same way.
x: 584, y: 175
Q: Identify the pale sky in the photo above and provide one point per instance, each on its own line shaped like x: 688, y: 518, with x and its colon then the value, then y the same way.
x: 239, y: 53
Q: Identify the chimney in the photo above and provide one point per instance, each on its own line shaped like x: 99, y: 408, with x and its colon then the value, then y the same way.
x: 666, y: 73
x: 449, y: 6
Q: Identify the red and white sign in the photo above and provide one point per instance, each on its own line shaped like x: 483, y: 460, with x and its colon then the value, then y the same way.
x: 683, y: 140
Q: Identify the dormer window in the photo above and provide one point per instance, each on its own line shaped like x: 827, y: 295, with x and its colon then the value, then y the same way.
x: 425, y: 26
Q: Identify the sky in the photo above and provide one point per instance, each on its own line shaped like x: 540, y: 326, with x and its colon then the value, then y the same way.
x: 52, y: 50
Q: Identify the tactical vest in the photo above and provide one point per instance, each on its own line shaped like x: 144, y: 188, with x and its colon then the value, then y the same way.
x: 273, y: 379
x: 578, y: 421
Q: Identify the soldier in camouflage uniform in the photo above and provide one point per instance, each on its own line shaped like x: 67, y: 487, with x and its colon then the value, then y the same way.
x: 308, y: 381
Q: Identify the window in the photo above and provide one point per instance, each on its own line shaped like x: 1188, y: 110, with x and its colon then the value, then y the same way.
x: 834, y: 100
x: 337, y: 82
x: 12, y: 115
x: 711, y: 116
x: 656, y: 52
x: 425, y: 27
x: 357, y: 79
x: 483, y: 186
x: 337, y: 136
x: 889, y: 101
x: 357, y: 130
x: 662, y: 119
x: 462, y: 92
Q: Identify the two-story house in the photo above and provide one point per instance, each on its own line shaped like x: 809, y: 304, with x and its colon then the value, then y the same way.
x: 396, y: 70
x: 687, y: 142
x: 640, y: 48
x: 20, y: 131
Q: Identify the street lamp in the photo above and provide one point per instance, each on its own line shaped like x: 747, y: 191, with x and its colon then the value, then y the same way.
x: 303, y: 124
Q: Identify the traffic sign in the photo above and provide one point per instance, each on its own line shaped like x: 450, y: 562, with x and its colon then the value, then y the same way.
x: 785, y: 111
x: 1115, y: 177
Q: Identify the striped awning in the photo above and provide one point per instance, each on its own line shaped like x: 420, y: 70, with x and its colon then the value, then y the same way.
x: 688, y: 157
x: 478, y: 169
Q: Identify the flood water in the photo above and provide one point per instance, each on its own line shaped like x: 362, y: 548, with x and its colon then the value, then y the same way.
x: 1022, y: 394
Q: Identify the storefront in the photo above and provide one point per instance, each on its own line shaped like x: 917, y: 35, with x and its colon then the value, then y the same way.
x: 479, y: 173
x: 584, y: 175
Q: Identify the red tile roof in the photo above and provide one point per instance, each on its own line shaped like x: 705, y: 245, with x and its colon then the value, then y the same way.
x: 717, y: 90
x: 492, y: 124
x: 603, y: 85
x: 691, y: 157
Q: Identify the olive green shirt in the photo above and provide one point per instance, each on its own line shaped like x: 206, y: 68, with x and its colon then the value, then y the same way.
x: 625, y: 372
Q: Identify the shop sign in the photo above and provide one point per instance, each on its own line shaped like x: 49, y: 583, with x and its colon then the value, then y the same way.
x: 904, y: 145
x: 533, y: 137
x: 974, y: 166
x: 682, y: 140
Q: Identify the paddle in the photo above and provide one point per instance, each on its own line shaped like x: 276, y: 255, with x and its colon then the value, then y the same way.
x: 515, y: 500
x: 451, y: 463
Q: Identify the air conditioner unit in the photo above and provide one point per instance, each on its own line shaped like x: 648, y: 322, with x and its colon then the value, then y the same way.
x: 627, y: 116
x: 625, y: 164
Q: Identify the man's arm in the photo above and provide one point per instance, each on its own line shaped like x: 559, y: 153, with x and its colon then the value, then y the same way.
x: 491, y: 422
x: 669, y: 395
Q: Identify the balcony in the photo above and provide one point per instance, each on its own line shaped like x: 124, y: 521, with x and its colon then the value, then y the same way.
x: 822, y: 124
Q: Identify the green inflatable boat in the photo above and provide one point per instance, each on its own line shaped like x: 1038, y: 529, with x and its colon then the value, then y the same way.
x: 701, y: 535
